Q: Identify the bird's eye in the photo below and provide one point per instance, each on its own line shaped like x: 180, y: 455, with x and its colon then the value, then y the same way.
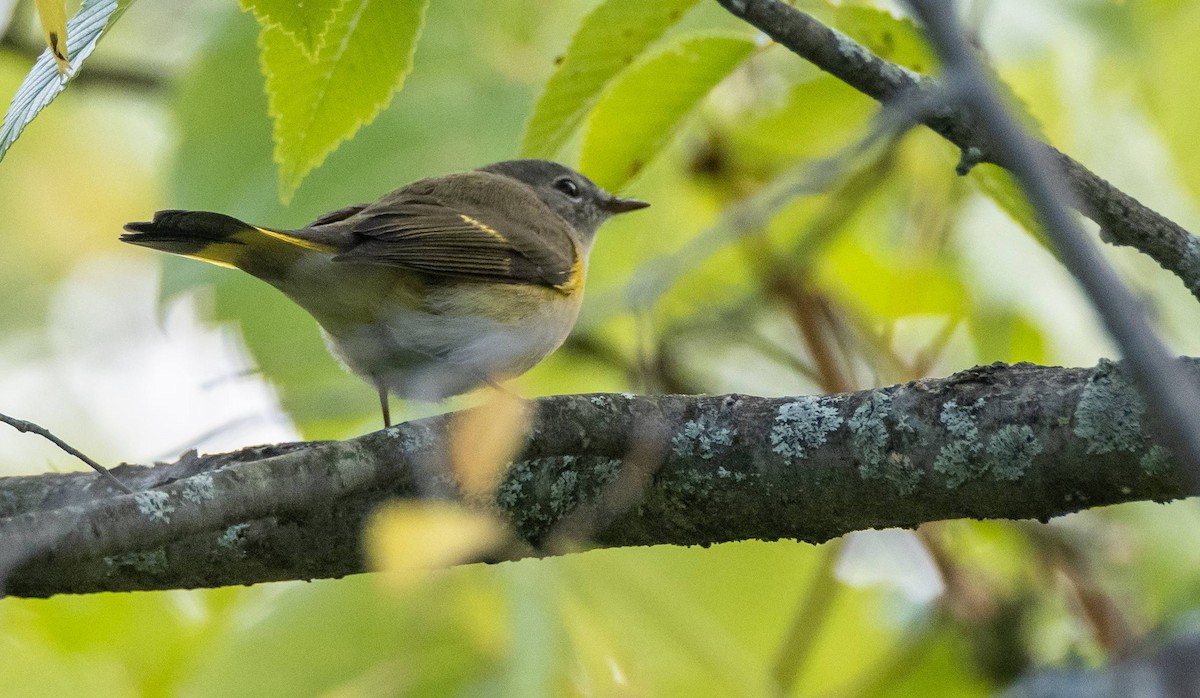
x: 567, y: 186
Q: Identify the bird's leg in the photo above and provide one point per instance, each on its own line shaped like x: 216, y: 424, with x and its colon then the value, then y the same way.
x: 383, y: 404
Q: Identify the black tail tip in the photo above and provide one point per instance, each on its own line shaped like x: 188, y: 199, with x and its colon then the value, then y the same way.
x: 136, y: 227
x: 177, y: 224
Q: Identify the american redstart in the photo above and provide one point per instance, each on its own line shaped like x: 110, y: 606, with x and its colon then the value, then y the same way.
x: 436, y: 288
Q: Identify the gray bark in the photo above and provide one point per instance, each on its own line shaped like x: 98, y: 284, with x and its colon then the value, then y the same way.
x: 1123, y: 220
x: 999, y: 441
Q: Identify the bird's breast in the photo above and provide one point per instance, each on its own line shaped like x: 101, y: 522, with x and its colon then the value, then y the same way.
x: 434, y: 340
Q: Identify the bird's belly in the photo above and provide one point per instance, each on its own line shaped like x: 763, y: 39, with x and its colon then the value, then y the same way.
x: 461, y: 336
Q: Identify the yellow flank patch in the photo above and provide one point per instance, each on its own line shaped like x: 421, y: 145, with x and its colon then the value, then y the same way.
x: 306, y: 244
x: 575, y: 282
x: 483, y: 226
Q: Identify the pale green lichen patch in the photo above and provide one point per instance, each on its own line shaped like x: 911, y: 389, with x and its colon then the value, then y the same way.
x: 967, y: 455
x: 1011, y: 450
x: 958, y: 459
x: 958, y: 463
x: 148, y: 561
x: 702, y: 437
x: 231, y: 538
x: 802, y: 425
x: 415, y: 438
x: 198, y: 489
x: 1156, y: 461
x: 512, y: 487
x: 869, y: 434
x: 536, y: 493
x: 961, y: 421
x: 154, y: 504
x: 723, y: 474
x: 690, y: 483
x: 1109, y: 415
x: 564, y: 492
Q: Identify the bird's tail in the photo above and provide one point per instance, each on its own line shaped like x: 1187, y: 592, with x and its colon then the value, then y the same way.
x: 219, y: 239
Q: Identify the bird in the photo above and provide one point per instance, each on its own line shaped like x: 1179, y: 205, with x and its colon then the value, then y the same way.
x: 435, y: 289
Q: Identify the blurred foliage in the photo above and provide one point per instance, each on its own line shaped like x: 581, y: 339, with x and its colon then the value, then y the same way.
x: 637, y: 113
x: 785, y: 253
x: 320, y: 95
x: 608, y: 40
x: 50, y: 73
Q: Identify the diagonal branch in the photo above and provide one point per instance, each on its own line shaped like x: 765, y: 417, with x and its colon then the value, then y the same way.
x: 999, y: 441
x: 25, y: 426
x: 1175, y: 400
x: 1123, y: 220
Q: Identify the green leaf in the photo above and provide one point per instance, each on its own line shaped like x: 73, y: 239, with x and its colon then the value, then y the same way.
x: 814, y: 119
x: 608, y: 40
x: 1170, y: 98
x: 1003, y: 334
x: 1002, y: 187
x: 306, y: 22
x: 316, y: 104
x: 44, y: 83
x: 897, y: 39
x: 639, y: 111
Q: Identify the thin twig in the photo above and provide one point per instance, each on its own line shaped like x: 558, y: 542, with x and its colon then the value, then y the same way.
x: 24, y: 426
x: 810, y: 178
x: 1174, y: 399
x: 1123, y: 219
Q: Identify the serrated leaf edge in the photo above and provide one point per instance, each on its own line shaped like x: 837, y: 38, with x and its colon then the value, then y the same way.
x: 289, y: 184
x: 311, y: 53
x: 576, y: 118
x: 676, y: 46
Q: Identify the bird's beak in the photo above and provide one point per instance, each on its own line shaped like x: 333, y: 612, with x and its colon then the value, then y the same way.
x: 615, y: 204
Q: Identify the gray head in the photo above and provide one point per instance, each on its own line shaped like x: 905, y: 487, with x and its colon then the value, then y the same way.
x: 569, y: 194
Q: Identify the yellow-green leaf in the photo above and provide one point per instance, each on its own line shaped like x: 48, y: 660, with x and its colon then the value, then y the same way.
x: 639, y: 111
x: 53, y: 16
x: 1002, y: 187
x: 44, y: 82
x: 307, y: 22
x: 608, y: 40
x: 317, y: 103
x: 897, y: 39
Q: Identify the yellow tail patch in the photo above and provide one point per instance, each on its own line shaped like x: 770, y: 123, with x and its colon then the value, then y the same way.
x: 306, y: 244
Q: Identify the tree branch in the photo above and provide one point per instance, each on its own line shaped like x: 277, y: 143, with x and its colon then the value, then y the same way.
x: 1174, y: 398
x: 25, y: 426
x: 1123, y: 220
x: 999, y: 441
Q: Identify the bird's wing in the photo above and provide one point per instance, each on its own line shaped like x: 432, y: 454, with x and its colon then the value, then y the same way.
x: 449, y: 230
x: 339, y: 215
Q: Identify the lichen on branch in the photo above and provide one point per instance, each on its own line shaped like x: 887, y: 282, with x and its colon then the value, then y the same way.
x: 998, y: 441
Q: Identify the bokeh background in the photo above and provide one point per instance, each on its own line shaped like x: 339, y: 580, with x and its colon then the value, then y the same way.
x: 892, y: 270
